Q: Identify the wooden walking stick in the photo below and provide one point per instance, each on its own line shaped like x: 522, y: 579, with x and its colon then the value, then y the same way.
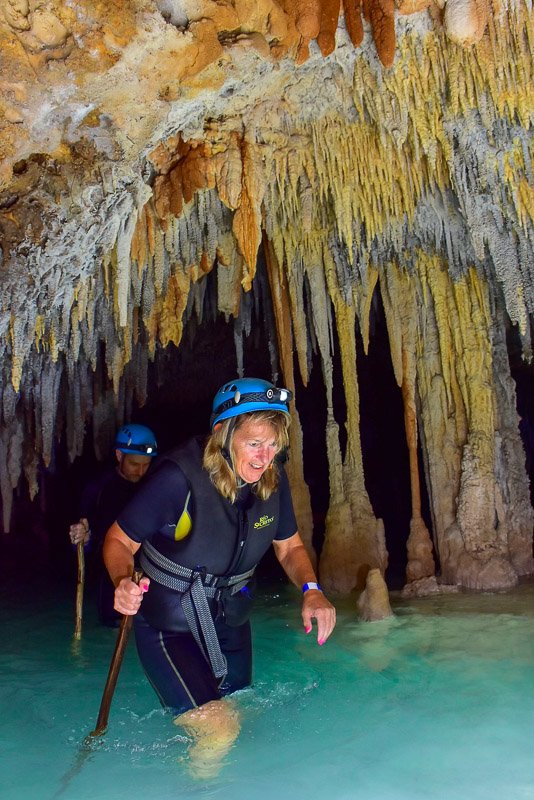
x: 87, y: 748
x: 114, y: 669
x: 79, y: 591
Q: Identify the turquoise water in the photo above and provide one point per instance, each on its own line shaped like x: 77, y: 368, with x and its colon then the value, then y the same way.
x: 436, y: 703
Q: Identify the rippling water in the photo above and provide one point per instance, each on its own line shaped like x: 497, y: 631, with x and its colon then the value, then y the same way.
x: 436, y: 703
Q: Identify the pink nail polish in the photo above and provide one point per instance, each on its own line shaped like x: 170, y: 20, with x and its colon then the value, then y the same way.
x: 308, y: 629
x: 321, y: 641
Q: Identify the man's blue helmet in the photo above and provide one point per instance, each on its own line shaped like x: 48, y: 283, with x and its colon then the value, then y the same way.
x: 248, y: 394
x: 137, y: 440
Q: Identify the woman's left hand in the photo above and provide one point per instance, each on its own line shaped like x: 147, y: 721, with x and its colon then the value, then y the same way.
x: 316, y: 606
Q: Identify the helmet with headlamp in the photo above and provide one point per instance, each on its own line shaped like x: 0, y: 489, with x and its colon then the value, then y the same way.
x: 136, y: 440
x: 244, y: 395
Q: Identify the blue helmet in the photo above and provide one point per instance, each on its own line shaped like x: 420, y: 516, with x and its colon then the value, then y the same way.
x: 248, y: 394
x: 137, y: 440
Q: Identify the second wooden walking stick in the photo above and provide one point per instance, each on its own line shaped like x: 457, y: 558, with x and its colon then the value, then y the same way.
x: 79, y: 591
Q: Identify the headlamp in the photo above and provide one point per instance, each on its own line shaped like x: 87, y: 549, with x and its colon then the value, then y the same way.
x: 146, y: 448
x: 276, y: 395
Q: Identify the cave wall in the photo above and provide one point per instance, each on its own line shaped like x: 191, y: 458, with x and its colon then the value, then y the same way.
x: 147, y: 145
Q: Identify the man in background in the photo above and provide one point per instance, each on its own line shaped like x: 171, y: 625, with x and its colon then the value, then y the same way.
x: 104, y: 498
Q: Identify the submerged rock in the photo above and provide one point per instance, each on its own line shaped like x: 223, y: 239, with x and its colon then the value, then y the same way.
x: 427, y: 586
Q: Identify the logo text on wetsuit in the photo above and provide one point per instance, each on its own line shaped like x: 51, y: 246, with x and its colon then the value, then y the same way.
x: 263, y: 521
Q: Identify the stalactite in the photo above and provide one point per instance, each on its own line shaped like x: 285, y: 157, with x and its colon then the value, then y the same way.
x: 295, y: 469
x: 76, y: 415
x: 247, y: 218
x: 353, y: 21
x: 10, y: 439
x: 326, y: 38
x: 47, y: 380
x: 295, y: 281
x: 381, y: 14
x: 229, y: 171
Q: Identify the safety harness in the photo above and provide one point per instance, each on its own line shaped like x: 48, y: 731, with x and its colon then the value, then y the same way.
x: 195, y: 587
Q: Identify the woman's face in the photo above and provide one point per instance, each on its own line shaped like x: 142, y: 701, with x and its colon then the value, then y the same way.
x: 253, y: 449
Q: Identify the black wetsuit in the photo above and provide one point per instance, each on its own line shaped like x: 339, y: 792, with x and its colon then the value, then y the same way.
x: 101, y: 502
x: 184, y: 517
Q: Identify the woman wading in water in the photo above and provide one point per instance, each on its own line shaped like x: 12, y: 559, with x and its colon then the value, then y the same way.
x: 202, y: 523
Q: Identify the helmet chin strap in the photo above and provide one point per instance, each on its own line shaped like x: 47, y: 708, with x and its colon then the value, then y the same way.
x: 225, y: 449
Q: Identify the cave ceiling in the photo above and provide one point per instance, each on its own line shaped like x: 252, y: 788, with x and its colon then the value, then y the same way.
x: 383, y: 145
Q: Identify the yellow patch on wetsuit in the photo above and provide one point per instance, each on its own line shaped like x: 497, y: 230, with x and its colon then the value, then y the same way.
x: 184, y: 524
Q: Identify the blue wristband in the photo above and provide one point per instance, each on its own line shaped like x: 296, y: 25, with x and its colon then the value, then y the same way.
x: 311, y: 585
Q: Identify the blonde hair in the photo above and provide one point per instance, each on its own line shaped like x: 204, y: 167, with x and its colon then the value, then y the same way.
x: 222, y: 473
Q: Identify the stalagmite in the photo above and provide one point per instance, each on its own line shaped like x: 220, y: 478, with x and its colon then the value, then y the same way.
x: 455, y: 376
x: 373, y: 602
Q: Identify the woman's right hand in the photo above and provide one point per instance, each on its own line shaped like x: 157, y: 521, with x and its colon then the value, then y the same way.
x: 128, y: 595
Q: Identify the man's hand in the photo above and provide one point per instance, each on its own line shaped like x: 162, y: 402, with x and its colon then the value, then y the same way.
x: 316, y: 606
x: 80, y: 532
x: 128, y: 595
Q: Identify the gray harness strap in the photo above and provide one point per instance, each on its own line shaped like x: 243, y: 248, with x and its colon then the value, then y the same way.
x: 195, y: 587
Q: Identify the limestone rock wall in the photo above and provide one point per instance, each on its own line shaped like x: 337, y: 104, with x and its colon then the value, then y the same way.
x: 146, y: 144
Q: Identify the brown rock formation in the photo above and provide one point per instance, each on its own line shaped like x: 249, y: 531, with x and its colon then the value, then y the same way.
x: 373, y: 603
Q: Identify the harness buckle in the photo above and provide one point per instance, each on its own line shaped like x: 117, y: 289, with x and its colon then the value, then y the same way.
x: 199, y: 572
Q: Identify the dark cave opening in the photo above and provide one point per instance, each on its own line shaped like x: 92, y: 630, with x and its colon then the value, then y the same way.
x: 522, y: 372
x: 384, y: 447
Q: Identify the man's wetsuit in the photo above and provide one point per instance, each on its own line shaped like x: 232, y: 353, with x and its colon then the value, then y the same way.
x: 187, y: 522
x: 100, y: 504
